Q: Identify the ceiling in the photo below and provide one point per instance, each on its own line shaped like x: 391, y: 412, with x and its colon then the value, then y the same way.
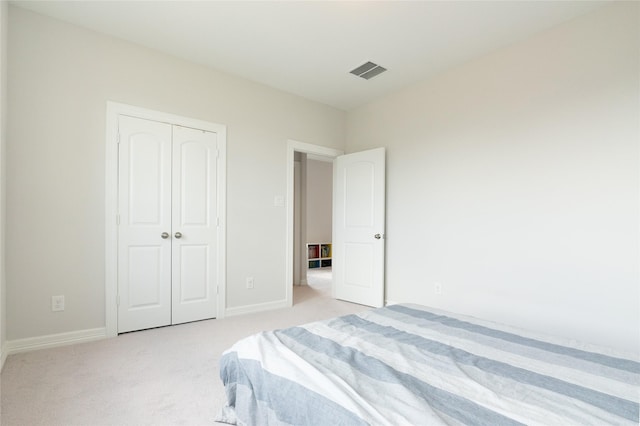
x: 308, y: 47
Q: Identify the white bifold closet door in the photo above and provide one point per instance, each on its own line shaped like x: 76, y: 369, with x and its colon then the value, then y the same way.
x: 167, y: 228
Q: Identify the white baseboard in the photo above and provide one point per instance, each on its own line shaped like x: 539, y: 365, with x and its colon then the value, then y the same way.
x: 390, y: 302
x: 52, y: 341
x: 259, y: 307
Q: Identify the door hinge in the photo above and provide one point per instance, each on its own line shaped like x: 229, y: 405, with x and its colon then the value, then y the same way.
x: 118, y: 219
x: 118, y: 300
x: 118, y: 138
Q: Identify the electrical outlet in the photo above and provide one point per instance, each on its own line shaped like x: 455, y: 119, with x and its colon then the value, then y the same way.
x: 57, y: 303
x: 437, y: 288
x: 249, y: 282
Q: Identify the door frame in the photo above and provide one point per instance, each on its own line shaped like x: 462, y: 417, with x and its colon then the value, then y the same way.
x: 115, y: 109
x: 293, y: 147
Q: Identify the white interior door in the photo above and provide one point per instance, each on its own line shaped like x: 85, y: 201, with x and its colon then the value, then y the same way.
x: 144, y: 243
x: 358, y: 227
x: 194, y: 226
x: 167, y: 235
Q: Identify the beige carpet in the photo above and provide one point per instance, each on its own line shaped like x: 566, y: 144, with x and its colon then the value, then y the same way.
x: 164, y: 376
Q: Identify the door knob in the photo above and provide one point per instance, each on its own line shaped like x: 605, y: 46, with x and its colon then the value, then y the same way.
x: 178, y: 235
x: 164, y: 235
x: 377, y: 236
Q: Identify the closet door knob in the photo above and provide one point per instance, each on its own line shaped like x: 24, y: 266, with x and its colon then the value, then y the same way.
x: 164, y: 235
x: 178, y: 235
x: 377, y: 236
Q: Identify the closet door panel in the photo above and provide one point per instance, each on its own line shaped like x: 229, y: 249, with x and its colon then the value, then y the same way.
x: 194, y: 225
x: 144, y: 198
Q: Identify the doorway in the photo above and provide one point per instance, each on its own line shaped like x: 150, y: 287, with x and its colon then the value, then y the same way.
x: 358, y: 237
x: 313, y: 231
x: 296, y: 258
x: 191, y: 283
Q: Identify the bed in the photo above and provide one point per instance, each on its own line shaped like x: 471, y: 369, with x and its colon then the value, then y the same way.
x: 408, y: 364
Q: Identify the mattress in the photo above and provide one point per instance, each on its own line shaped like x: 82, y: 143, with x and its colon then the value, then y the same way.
x: 408, y: 364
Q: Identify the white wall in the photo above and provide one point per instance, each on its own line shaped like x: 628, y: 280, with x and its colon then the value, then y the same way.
x: 4, y: 13
x: 319, y: 200
x: 61, y: 77
x: 513, y: 181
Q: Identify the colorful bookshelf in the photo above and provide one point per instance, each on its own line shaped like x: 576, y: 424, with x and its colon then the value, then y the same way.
x: 319, y: 255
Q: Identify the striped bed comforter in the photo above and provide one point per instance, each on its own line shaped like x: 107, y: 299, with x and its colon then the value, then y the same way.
x: 411, y: 365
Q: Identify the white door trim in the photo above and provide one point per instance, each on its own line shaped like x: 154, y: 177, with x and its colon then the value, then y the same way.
x: 115, y: 109
x: 293, y: 147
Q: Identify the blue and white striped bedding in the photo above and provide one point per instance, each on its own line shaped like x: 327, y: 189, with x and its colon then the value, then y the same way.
x: 411, y: 365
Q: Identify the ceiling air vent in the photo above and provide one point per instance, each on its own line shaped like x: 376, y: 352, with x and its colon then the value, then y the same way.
x: 368, y: 70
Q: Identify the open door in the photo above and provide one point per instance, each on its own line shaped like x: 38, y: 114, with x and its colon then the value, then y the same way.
x: 358, y: 227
